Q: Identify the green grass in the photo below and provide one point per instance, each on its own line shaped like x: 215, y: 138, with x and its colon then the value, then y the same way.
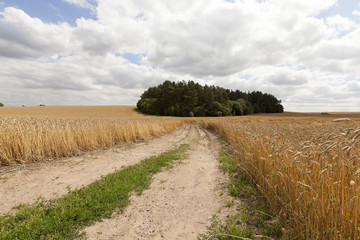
x: 238, y: 185
x: 230, y: 203
x: 63, y: 218
x: 255, y: 217
x: 230, y: 230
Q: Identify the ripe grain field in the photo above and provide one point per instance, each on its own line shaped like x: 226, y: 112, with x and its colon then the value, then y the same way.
x: 307, y: 167
x: 33, y: 134
x: 82, y: 190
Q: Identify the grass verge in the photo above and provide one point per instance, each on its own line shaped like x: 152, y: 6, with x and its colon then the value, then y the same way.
x: 63, y: 218
x: 252, y: 219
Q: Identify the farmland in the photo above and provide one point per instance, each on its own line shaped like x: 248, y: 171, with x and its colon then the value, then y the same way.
x: 32, y: 134
x: 306, y: 165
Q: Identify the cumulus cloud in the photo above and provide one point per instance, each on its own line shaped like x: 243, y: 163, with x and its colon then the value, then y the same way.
x: 90, y: 4
x: 341, y: 23
x: 354, y: 86
x: 284, y: 78
x: 276, y: 46
x: 304, y: 7
x: 207, y: 43
x: 23, y: 36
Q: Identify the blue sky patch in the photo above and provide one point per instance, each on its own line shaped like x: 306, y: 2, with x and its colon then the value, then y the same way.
x: 301, y: 67
x: 131, y: 57
x: 246, y: 76
x: 343, y: 8
x: 49, y: 11
x: 348, y: 79
x: 206, y: 79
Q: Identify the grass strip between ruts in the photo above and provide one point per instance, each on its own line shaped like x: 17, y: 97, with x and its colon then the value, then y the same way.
x: 62, y: 218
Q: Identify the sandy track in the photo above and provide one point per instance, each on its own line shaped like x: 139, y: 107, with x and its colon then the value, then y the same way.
x: 49, y: 180
x: 179, y: 203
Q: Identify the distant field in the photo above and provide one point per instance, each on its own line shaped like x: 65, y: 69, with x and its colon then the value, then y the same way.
x: 121, y: 112
x: 31, y: 134
x: 78, y: 112
x: 318, y: 115
x: 298, y: 117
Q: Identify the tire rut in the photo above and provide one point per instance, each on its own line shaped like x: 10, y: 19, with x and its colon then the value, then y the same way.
x: 179, y: 203
x: 26, y: 184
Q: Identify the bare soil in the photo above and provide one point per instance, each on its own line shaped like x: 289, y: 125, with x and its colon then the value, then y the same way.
x: 178, y: 205
x: 27, y: 183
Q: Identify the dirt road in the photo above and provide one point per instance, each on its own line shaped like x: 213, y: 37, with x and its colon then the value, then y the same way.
x: 178, y: 205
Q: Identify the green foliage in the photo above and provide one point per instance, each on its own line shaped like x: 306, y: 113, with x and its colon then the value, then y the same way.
x: 200, y: 111
x: 230, y: 230
x: 181, y: 98
x: 171, y: 111
x: 273, y: 230
x: 1, y: 104
x: 148, y: 105
x: 238, y: 185
x: 256, y: 215
x: 64, y: 217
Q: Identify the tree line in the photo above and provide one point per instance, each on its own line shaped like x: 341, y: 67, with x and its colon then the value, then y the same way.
x: 189, y: 99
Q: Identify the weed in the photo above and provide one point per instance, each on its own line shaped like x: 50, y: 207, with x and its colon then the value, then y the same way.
x: 163, y: 180
x: 242, y: 224
x: 230, y: 230
x: 230, y: 203
x: 63, y: 218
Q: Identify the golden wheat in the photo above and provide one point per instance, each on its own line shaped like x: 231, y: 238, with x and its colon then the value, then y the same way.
x: 41, y: 133
x: 310, y: 173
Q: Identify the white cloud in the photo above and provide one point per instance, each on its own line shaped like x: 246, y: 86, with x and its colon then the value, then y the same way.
x: 302, y: 7
x: 341, y: 23
x: 23, y: 36
x: 356, y: 12
x: 284, y: 78
x: 90, y: 4
x: 353, y: 86
x: 280, y: 45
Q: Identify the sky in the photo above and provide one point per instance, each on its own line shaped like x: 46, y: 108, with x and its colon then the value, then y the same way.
x: 106, y: 52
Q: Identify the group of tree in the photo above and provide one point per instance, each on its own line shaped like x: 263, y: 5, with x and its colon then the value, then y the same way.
x: 189, y: 99
x: 1, y: 104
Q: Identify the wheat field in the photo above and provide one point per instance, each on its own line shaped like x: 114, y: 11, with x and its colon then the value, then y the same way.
x: 306, y: 165
x: 32, y: 134
x: 307, y: 168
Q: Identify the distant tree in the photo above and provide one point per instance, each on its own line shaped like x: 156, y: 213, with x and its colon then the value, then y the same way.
x: 191, y: 99
x: 246, y: 106
x: 171, y: 111
x: 148, y: 105
x: 215, y: 109
x: 200, y: 111
x: 236, y: 108
x: 1, y: 104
